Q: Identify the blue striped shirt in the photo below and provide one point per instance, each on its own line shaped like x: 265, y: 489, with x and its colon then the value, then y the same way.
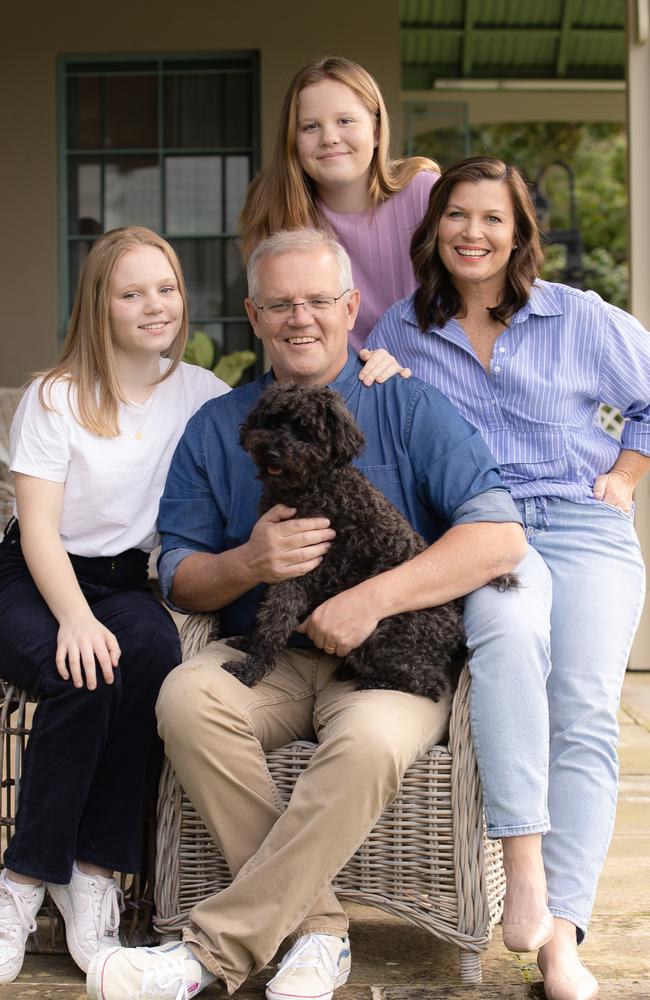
x: 564, y: 353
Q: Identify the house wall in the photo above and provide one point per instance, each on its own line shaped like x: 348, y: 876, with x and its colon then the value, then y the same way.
x: 287, y: 34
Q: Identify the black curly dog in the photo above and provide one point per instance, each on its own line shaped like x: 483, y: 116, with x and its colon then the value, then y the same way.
x: 303, y: 441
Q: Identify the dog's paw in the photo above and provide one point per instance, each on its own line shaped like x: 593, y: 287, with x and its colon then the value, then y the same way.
x: 344, y: 672
x: 241, y: 670
x: 241, y: 642
x: 507, y: 581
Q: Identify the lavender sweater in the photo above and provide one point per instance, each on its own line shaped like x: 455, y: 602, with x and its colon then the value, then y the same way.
x: 378, y: 243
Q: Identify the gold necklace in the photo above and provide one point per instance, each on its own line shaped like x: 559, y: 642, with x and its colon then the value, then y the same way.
x: 137, y: 428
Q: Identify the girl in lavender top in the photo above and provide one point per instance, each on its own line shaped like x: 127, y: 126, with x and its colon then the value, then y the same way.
x: 330, y: 169
x: 528, y: 363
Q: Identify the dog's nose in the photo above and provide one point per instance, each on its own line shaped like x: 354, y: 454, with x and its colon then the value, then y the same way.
x: 273, y: 457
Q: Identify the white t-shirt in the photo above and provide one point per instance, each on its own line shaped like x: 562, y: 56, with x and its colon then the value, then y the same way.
x: 112, y: 485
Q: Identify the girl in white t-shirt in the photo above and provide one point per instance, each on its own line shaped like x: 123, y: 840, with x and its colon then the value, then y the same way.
x: 91, y: 443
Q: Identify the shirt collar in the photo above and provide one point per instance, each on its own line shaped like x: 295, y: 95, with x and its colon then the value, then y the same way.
x: 543, y: 301
x: 346, y: 380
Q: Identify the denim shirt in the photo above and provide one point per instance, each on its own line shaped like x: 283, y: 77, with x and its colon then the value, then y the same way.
x: 419, y: 452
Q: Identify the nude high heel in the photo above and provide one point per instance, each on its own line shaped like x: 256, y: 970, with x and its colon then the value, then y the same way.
x: 582, y: 987
x: 528, y: 935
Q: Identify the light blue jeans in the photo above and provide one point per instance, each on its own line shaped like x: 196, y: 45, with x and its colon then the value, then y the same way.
x: 545, y: 699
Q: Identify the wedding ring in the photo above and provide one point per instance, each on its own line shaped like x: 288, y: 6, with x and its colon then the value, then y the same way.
x: 329, y: 649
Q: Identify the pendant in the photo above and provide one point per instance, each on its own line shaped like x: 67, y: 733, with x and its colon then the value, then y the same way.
x: 138, y: 435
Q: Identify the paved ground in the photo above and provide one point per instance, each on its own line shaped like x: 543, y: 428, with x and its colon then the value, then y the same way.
x: 394, y: 961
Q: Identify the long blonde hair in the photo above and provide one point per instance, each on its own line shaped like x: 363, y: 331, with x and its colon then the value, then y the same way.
x: 87, y: 361
x: 282, y: 196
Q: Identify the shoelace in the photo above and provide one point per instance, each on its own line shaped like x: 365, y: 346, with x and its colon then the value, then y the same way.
x: 108, y: 903
x: 173, y: 977
x: 308, y: 953
x: 12, y: 898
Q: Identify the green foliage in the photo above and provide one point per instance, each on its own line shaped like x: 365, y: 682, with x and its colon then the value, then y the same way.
x: 597, y: 154
x: 201, y: 351
x: 231, y: 367
x: 607, y: 276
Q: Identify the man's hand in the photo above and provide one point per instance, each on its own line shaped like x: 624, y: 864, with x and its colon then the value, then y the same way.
x: 342, y: 623
x: 615, y: 488
x: 283, y: 546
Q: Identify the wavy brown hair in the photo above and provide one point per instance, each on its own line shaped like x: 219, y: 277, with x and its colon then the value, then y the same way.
x: 282, y: 196
x: 437, y: 299
x: 87, y: 361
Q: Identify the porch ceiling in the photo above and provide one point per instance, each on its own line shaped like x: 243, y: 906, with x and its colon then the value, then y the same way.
x: 523, y: 39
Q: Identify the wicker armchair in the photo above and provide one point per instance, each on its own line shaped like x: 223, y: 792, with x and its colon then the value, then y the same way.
x: 427, y: 860
x: 8, y: 403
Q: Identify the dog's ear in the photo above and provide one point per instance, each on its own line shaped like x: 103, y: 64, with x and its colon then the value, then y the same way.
x: 346, y: 435
x: 263, y: 408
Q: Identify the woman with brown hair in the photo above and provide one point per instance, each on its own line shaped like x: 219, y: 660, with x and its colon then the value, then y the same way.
x: 91, y: 443
x: 331, y: 169
x: 528, y: 363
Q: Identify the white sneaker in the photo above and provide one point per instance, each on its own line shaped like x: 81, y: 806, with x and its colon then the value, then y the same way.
x: 316, y: 965
x: 18, y: 909
x: 90, y: 906
x: 170, y: 972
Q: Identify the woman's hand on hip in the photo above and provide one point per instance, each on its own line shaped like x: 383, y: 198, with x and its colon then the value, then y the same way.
x: 615, y: 488
x: 82, y: 644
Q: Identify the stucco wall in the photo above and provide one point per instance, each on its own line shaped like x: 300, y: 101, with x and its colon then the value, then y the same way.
x: 287, y: 33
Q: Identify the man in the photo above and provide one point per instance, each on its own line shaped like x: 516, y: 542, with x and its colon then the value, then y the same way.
x: 217, y: 553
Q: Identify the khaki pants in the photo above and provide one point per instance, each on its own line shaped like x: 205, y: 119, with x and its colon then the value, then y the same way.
x: 283, y: 860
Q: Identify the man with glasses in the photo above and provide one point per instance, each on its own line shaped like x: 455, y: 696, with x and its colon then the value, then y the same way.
x: 218, y: 554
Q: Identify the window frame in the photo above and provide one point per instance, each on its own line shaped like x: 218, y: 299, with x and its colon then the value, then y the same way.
x: 159, y: 64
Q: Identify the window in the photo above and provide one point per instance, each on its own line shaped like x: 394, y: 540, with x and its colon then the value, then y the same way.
x: 170, y: 143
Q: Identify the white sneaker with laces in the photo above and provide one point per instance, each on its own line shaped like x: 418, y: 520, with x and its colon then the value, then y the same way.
x: 170, y: 972
x: 19, y: 905
x: 316, y: 965
x: 90, y: 906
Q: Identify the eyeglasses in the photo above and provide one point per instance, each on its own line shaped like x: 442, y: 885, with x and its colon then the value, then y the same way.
x: 319, y: 305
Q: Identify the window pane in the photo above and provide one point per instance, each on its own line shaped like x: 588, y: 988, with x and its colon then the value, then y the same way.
x: 201, y: 261
x: 77, y: 253
x: 237, y: 177
x: 131, y: 112
x: 193, y: 111
x: 239, y: 337
x: 237, y: 116
x: 132, y: 192
x: 193, y: 195
x: 235, y: 280
x: 85, y: 197
x: 84, y: 113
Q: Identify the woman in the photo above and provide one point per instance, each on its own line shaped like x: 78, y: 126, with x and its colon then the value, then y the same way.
x: 529, y: 362
x: 330, y: 169
x: 91, y: 443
